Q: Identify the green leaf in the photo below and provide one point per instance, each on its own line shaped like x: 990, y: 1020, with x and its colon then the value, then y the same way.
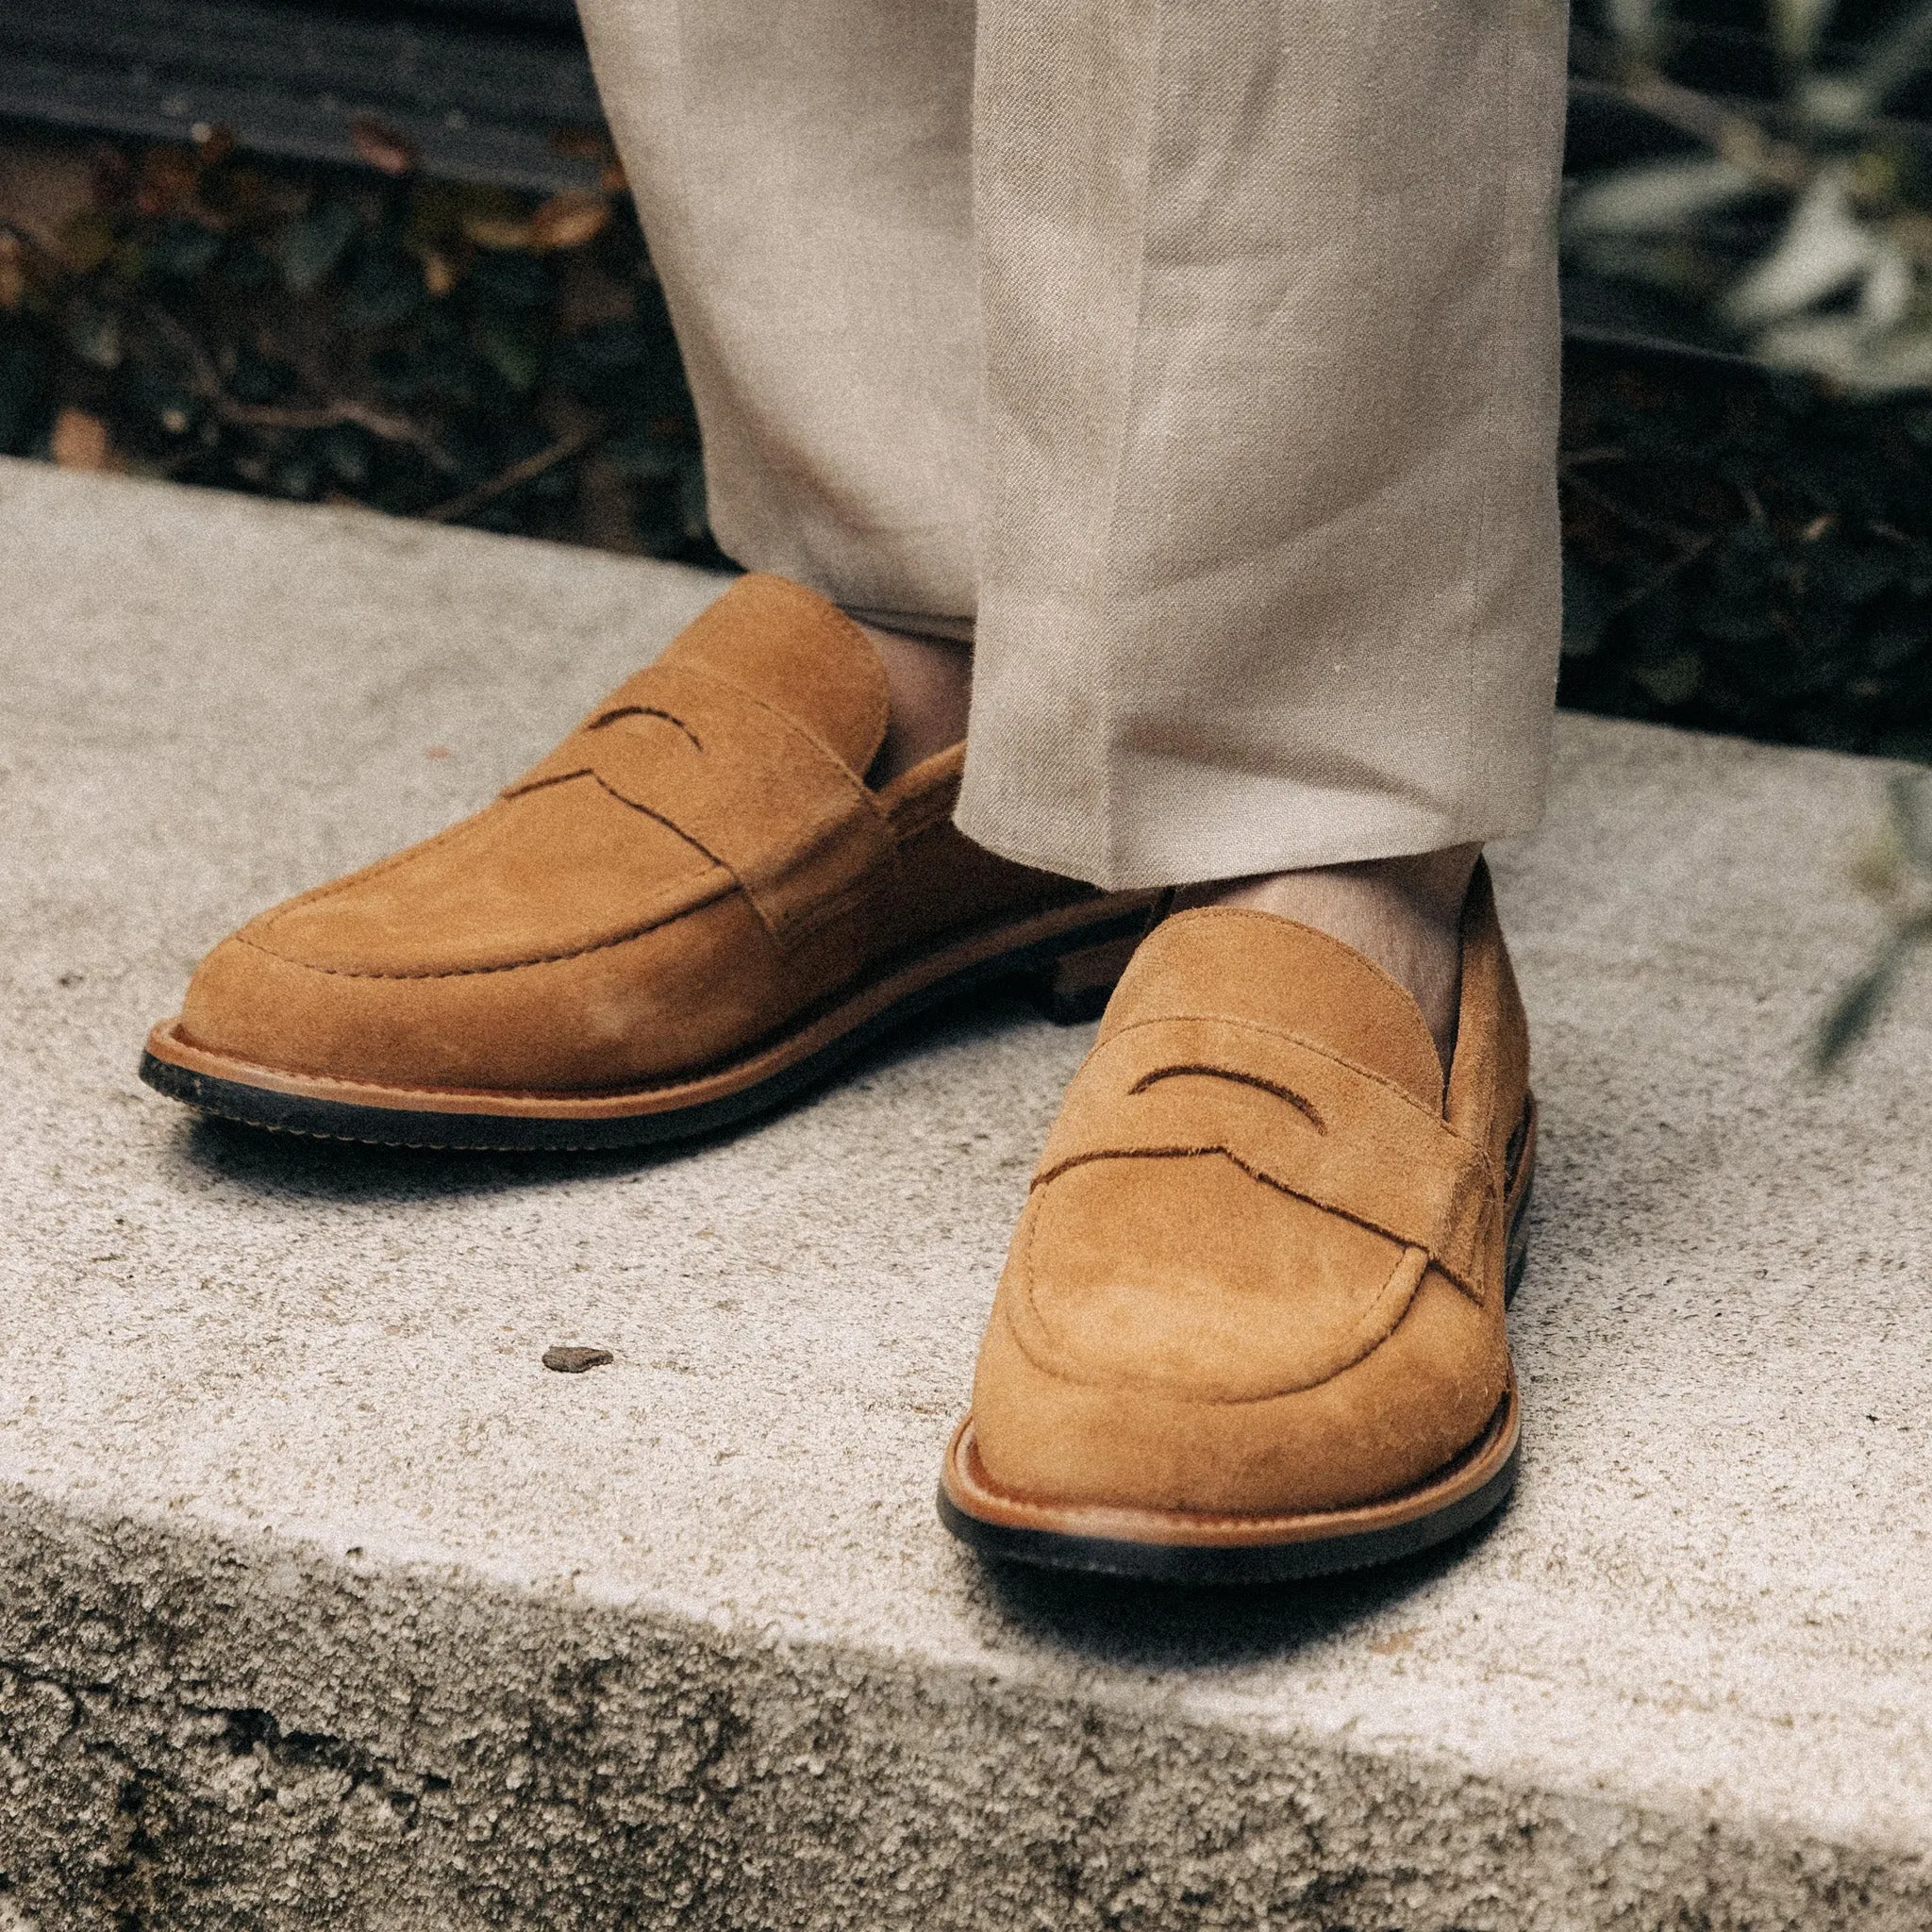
x: 1861, y: 1002
x: 25, y: 373
x: 1657, y: 198
x: 345, y: 451
x: 1736, y: 620
x: 1854, y: 576
x: 511, y: 349
x: 1675, y: 681
x: 246, y: 266
x: 259, y: 379
x: 517, y: 281
x: 1896, y: 57
x: 295, y: 476
x: 93, y: 333
x: 646, y: 458
x: 178, y: 251
x: 385, y: 288
x: 1588, y: 606
x: 1795, y: 26
x: 1912, y: 823
x: 312, y: 246
x: 1892, y: 649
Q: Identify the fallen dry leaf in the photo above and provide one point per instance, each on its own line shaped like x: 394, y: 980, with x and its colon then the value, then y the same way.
x: 382, y: 146
x: 87, y: 239
x: 80, y: 442
x: 570, y: 219
x: 170, y: 178
x: 580, y: 143
x: 497, y: 232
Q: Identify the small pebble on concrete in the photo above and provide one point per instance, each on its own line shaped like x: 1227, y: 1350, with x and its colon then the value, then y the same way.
x: 574, y: 1361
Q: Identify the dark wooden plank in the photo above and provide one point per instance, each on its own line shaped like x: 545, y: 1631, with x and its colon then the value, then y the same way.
x: 480, y: 98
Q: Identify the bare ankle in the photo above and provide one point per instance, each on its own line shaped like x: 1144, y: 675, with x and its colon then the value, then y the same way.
x: 1403, y: 913
x: 930, y: 690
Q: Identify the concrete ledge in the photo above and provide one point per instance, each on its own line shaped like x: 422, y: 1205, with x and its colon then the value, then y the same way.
x: 324, y: 1602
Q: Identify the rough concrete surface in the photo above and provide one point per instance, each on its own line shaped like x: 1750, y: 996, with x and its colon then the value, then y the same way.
x: 325, y: 1603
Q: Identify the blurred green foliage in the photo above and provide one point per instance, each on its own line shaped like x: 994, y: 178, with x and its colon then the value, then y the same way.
x: 1797, y: 224
x: 1897, y: 873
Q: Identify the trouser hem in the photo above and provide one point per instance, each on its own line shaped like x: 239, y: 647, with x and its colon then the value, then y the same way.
x: 1320, y: 837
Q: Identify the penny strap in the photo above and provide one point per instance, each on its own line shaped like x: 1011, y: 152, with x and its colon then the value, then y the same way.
x: 751, y: 788
x: 1293, y: 1116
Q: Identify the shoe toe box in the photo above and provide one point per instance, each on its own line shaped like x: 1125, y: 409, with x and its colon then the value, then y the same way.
x: 1172, y: 1335
x: 522, y: 950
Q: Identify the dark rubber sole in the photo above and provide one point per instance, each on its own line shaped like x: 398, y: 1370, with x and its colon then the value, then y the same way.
x: 1222, y: 1566
x: 1039, y: 970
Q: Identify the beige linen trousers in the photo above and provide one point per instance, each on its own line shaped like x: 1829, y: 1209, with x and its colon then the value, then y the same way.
x: 1197, y: 357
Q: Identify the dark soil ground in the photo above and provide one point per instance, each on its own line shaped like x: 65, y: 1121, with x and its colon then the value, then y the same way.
x: 465, y: 354
x: 1746, y: 552
x: 1742, y: 552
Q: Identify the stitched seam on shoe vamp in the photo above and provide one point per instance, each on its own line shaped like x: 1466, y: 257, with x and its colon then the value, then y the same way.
x: 821, y: 912
x: 378, y: 867
x: 1158, y: 1393
x: 854, y: 783
x: 1497, y: 1181
x: 1024, y: 1259
x: 1255, y: 913
x: 680, y: 1079
x: 878, y: 705
x: 624, y: 939
x: 1261, y: 1026
x: 1293, y: 1193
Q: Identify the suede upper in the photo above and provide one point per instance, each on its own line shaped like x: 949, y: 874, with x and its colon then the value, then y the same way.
x: 698, y: 862
x: 1260, y: 1268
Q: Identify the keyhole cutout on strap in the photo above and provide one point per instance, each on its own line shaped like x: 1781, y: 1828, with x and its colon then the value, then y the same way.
x: 1235, y: 1077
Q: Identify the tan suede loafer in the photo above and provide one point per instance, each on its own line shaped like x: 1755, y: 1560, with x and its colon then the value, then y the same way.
x: 1252, y: 1322
x: 689, y: 911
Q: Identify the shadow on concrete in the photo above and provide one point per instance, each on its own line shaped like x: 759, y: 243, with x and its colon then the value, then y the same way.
x: 297, y: 1167
x: 1163, y: 1627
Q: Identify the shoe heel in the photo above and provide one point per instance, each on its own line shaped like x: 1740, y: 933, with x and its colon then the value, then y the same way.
x: 1522, y: 1189
x: 1076, y: 986
x: 1519, y: 1249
